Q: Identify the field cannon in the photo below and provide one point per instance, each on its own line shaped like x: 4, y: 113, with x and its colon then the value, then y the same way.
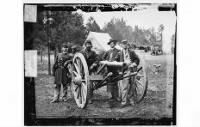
x: 84, y: 81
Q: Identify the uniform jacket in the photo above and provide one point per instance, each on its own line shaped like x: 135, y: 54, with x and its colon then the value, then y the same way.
x: 60, y: 71
x: 133, y: 56
x: 112, y: 55
x: 90, y: 56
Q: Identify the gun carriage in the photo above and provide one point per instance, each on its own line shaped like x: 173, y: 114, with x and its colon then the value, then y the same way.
x: 84, y: 81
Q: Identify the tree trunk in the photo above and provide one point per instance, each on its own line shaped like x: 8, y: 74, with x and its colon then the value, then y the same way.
x: 41, y: 55
x: 55, y: 52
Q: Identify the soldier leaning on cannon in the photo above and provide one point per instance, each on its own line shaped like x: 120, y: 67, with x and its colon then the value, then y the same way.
x: 112, y: 55
x: 61, y: 73
x: 92, y: 60
x: 126, y: 86
x: 91, y: 57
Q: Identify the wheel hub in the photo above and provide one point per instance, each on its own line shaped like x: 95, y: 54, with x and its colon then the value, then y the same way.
x: 78, y: 80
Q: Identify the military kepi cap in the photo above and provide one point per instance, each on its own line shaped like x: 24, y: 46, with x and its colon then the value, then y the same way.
x: 124, y: 42
x: 64, y: 45
x: 88, y: 42
x: 114, y: 41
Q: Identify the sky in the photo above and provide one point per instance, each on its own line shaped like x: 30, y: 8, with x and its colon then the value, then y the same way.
x: 146, y: 18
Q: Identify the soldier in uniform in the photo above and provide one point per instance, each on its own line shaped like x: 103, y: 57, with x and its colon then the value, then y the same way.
x: 61, y: 73
x: 91, y: 57
x: 126, y: 86
x: 92, y: 60
x: 113, y: 55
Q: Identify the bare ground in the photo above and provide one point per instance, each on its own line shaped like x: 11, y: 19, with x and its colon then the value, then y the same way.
x: 154, y: 105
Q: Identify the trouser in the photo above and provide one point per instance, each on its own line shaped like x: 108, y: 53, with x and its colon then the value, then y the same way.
x: 91, y: 91
x: 91, y: 86
x: 58, y: 89
x: 113, y: 89
x: 126, y: 89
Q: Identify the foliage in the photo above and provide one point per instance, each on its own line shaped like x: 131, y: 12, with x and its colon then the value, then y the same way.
x: 66, y: 27
x: 119, y: 30
x: 92, y: 25
x: 160, y: 28
x: 114, y: 30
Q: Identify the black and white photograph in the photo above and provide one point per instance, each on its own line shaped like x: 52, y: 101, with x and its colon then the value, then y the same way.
x: 100, y: 64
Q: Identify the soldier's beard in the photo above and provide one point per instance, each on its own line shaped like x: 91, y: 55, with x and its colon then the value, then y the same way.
x: 64, y: 53
x: 112, y: 47
x: 88, y: 49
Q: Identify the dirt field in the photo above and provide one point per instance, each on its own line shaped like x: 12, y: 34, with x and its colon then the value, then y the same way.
x: 154, y: 105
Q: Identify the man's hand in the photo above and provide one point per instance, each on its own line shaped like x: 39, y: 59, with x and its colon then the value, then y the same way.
x: 93, y: 65
x: 133, y: 65
x: 127, y: 64
x: 67, y: 62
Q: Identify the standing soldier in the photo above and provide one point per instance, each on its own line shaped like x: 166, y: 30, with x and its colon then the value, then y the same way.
x: 126, y: 86
x: 113, y: 55
x: 61, y: 73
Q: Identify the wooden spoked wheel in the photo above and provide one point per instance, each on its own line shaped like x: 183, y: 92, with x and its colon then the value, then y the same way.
x: 80, y: 82
x: 140, y: 83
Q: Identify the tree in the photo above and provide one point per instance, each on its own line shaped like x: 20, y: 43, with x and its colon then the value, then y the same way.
x: 160, y: 28
x: 141, y: 36
x: 40, y: 37
x: 66, y: 27
x: 110, y: 28
x: 153, y: 35
x: 160, y: 34
x: 119, y: 30
x: 92, y: 25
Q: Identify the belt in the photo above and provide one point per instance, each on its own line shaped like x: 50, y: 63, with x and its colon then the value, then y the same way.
x: 60, y: 67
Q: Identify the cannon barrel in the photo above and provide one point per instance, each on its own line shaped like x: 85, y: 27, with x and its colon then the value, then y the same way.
x: 114, y: 63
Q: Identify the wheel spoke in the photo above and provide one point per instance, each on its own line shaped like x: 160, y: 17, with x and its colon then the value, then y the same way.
x: 139, y: 83
x: 79, y: 63
x: 85, y: 87
x: 77, y: 68
x: 80, y: 89
x: 81, y: 68
x: 78, y: 93
x: 139, y: 87
x: 75, y: 73
x: 76, y: 88
x: 83, y: 94
x: 135, y: 94
x: 80, y: 77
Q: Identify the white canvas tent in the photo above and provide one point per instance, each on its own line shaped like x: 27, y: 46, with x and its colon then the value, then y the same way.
x: 99, y: 41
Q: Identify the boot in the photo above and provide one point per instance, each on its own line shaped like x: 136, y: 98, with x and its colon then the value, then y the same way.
x: 55, y: 100
x: 64, y: 97
x: 56, y: 94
